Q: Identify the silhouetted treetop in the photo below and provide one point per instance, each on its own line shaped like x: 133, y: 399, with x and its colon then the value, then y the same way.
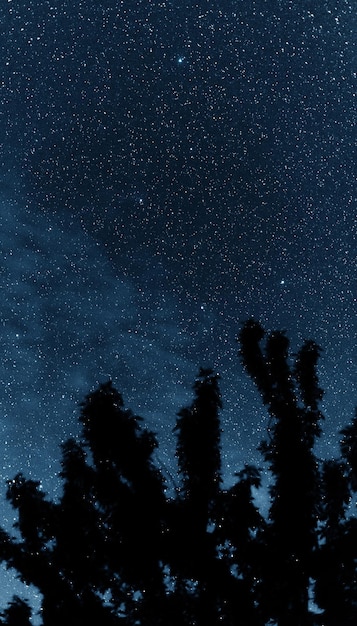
x: 35, y: 513
x: 291, y: 393
x: 116, y: 549
x: 114, y: 435
x: 198, y: 438
x: 306, y: 375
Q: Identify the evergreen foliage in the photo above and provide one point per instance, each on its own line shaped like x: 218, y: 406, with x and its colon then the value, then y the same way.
x: 117, y: 550
x: 291, y: 395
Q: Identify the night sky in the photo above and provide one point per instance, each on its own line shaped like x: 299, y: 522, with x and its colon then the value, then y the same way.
x: 169, y: 170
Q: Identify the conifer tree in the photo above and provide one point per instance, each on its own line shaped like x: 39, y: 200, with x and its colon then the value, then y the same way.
x: 115, y: 551
x: 336, y: 585
x: 291, y: 395
x: 198, y: 453
x: 96, y: 555
x: 30, y: 554
x: 335, y: 560
x: 198, y: 444
x: 129, y: 493
x: 240, y: 529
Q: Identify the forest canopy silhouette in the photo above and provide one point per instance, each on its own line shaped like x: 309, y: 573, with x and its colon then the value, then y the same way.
x: 118, y: 549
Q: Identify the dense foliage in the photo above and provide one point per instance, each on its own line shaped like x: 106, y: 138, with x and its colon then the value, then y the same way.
x: 116, y: 550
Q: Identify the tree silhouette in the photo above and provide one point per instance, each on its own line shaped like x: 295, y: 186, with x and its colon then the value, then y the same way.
x: 241, y: 528
x: 213, y: 528
x: 291, y: 395
x: 129, y: 494
x: 98, y: 550
x: 30, y: 555
x: 198, y: 443
x: 199, y: 460
x: 117, y: 550
x: 335, y: 562
x: 336, y: 585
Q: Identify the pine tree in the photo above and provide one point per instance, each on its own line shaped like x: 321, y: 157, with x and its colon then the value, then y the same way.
x: 198, y: 444
x: 96, y: 555
x: 129, y: 493
x: 336, y: 585
x: 115, y: 551
x: 44, y: 559
x: 198, y: 453
x: 79, y: 540
x: 241, y: 528
x: 291, y: 395
x: 335, y: 560
x: 30, y: 554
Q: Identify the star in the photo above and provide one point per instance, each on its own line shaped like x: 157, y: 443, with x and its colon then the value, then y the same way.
x: 155, y: 161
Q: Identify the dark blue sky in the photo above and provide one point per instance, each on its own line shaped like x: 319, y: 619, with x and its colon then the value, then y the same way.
x: 168, y: 170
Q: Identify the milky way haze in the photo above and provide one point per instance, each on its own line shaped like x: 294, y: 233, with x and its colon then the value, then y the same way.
x: 169, y: 170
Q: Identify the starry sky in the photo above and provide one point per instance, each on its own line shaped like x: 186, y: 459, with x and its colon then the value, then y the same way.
x: 167, y: 170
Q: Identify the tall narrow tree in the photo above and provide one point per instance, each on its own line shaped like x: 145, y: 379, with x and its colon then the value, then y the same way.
x: 291, y: 395
x: 96, y: 555
x: 115, y: 551
x: 241, y: 529
x: 199, y: 460
x: 129, y: 492
x: 198, y: 443
x: 31, y: 554
x: 335, y: 559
